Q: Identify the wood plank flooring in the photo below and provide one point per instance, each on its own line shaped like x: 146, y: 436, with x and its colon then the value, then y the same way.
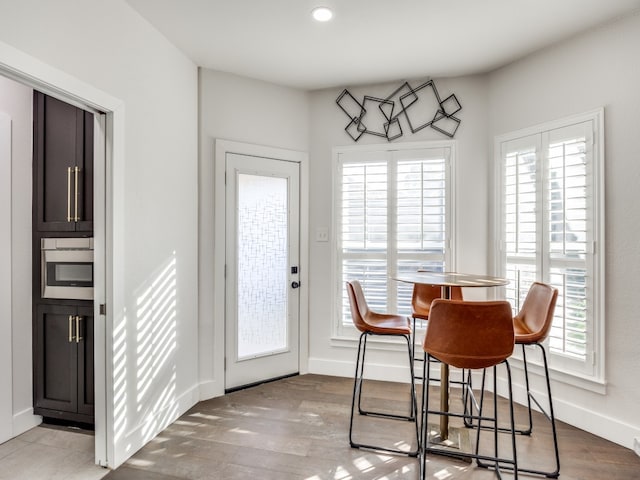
x: 297, y: 428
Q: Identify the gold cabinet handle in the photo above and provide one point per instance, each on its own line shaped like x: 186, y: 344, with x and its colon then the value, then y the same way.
x: 68, y: 194
x: 70, y: 328
x: 78, y: 336
x: 77, y: 170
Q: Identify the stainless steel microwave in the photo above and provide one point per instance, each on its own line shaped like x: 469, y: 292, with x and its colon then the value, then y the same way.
x: 67, y: 268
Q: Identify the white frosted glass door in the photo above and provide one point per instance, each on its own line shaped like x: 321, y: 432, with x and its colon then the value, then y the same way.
x: 262, y: 251
x: 262, y: 259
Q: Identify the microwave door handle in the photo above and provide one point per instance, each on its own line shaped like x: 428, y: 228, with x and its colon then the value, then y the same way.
x: 68, y: 194
x: 78, y: 336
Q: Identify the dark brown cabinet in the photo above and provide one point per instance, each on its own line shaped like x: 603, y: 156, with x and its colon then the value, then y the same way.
x: 63, y: 328
x: 63, y: 362
x: 63, y: 166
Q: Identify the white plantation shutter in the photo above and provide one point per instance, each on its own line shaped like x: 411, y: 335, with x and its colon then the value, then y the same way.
x: 570, y: 225
x: 520, y: 207
x: 392, y: 216
x: 550, y: 208
x: 363, y: 230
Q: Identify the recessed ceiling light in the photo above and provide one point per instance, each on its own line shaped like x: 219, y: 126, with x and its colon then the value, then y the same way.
x: 322, y: 14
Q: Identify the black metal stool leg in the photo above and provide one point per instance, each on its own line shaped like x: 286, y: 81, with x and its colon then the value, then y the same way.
x: 357, y: 391
x: 484, y: 422
x: 548, y: 415
x: 498, y: 462
x: 526, y: 382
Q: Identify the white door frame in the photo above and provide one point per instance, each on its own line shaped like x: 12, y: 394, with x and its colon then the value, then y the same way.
x: 108, y: 181
x: 222, y: 147
x: 6, y: 404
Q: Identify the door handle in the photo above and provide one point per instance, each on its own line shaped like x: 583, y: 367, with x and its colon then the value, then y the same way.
x: 295, y: 284
x: 70, y: 328
x: 68, y: 194
x: 78, y: 336
x: 76, y: 218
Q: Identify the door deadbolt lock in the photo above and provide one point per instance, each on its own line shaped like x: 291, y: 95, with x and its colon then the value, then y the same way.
x: 295, y: 285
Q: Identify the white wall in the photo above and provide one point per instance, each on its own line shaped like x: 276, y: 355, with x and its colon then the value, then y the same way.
x: 249, y: 111
x: 153, y: 351
x: 599, y: 69
x: 16, y: 100
x: 110, y: 47
x: 472, y: 173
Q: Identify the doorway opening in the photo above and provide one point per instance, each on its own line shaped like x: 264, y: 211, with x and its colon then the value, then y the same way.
x: 34, y: 75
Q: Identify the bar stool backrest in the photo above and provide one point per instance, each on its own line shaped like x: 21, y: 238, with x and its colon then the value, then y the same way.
x: 536, y: 313
x: 359, y: 308
x: 424, y: 294
x: 471, y: 335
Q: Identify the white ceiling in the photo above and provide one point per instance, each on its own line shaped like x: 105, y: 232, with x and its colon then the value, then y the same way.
x: 369, y: 41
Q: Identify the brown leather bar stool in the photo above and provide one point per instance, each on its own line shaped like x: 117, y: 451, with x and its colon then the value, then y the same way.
x: 532, y: 325
x: 421, y: 299
x: 371, y: 323
x: 472, y: 336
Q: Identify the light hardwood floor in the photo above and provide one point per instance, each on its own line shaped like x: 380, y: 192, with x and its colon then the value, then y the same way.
x: 296, y: 428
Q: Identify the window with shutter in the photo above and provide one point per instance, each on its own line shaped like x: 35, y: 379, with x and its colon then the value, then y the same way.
x: 552, y: 231
x: 393, y: 207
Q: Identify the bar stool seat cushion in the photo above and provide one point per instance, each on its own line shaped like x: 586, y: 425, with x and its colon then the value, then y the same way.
x: 385, y: 324
x: 367, y: 320
x: 534, y: 320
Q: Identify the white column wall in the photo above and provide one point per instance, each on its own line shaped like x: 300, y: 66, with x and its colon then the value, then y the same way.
x: 153, y: 351
x: 16, y: 100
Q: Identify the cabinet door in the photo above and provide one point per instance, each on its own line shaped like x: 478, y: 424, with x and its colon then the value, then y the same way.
x: 63, y: 166
x: 85, y: 177
x: 85, y: 361
x: 55, y: 359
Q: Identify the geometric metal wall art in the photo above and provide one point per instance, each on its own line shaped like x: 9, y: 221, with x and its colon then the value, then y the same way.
x: 420, y: 107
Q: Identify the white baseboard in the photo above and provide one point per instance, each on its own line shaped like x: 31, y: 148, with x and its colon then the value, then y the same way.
x: 384, y: 372
x: 596, y: 423
x: 137, y: 436
x: 210, y: 389
x: 335, y: 368
x: 567, y: 411
x: 24, y: 421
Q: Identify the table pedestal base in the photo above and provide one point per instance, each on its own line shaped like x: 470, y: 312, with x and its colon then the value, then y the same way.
x: 458, y: 441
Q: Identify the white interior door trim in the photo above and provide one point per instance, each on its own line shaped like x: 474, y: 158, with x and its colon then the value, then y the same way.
x: 6, y: 404
x: 109, y: 185
x: 222, y: 147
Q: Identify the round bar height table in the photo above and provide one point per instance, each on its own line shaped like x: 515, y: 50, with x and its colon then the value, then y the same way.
x: 446, y: 280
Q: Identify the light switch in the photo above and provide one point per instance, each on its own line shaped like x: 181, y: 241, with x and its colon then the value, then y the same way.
x: 322, y: 234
